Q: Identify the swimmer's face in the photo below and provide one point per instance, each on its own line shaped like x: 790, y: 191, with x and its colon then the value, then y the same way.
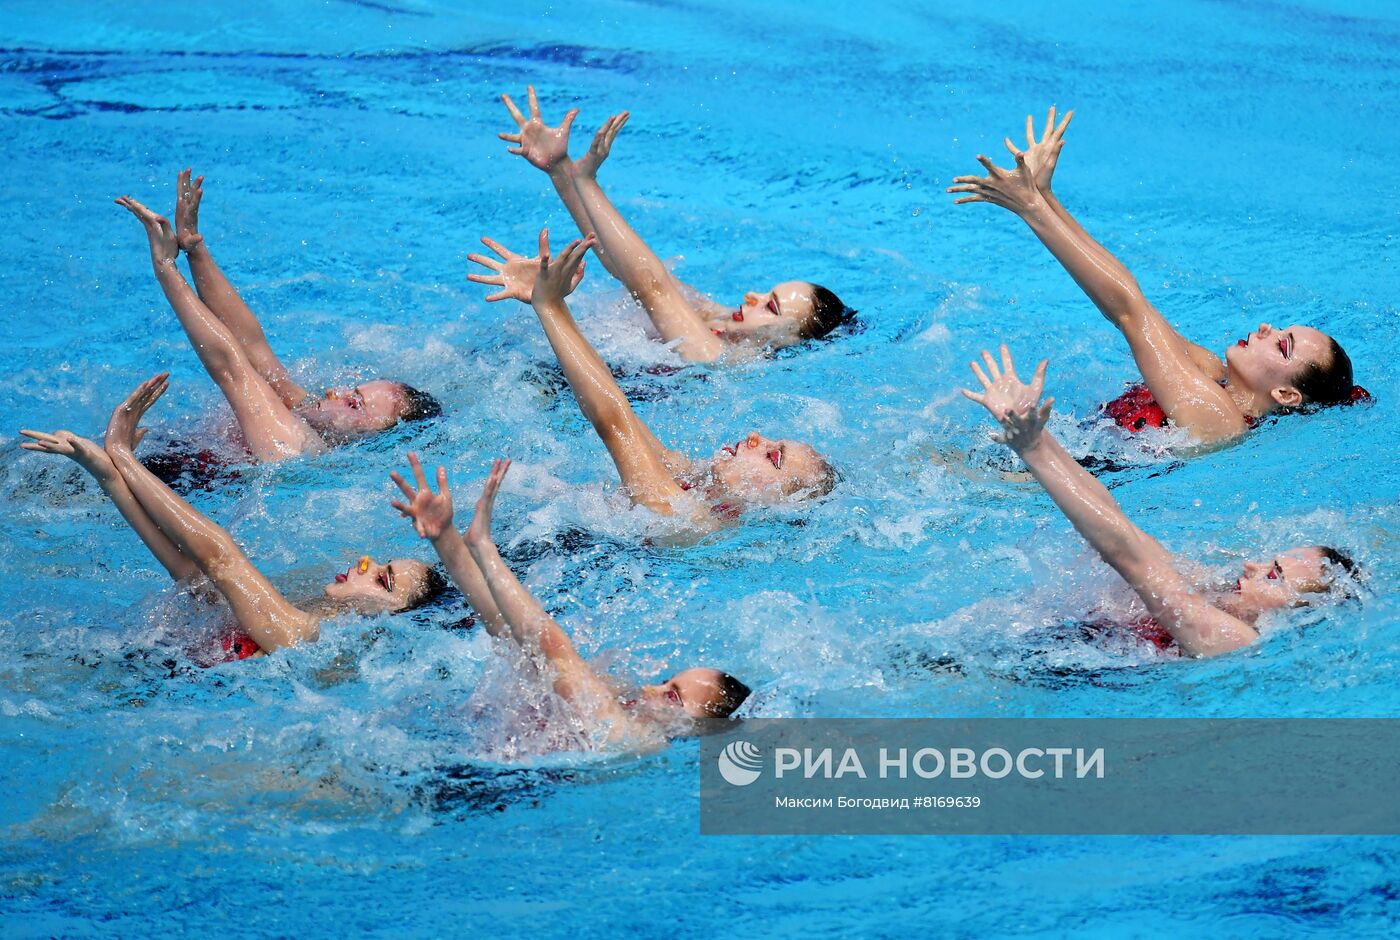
x: 1285, y: 580
x: 764, y: 470
x: 366, y: 408
x: 372, y: 588
x: 697, y: 692
x: 1269, y: 360
x: 776, y: 317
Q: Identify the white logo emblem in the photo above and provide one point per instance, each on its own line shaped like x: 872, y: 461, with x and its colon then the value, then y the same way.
x: 740, y: 763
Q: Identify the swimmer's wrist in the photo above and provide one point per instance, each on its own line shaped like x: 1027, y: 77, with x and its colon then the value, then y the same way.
x: 565, y: 167
x: 1030, y: 448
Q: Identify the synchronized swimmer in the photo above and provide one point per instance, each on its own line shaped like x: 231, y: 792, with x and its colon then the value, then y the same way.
x: 1269, y: 372
x: 788, y: 313
x: 278, y: 418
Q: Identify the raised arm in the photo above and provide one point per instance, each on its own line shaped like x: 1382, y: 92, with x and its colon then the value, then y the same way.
x: 531, y: 626
x: 272, y: 431
x: 260, y: 609
x: 631, y: 260
x: 222, y: 297
x: 431, y: 514
x: 1170, y: 364
x: 1200, y: 628
x: 95, y: 461
x: 641, y: 460
x: 621, y: 249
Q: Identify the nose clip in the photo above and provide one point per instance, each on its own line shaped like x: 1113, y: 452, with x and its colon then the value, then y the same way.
x: 331, y: 395
x: 753, y: 439
x: 364, y: 564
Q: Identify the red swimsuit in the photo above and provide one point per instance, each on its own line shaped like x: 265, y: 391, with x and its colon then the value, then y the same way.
x: 1136, y: 409
x: 237, y: 645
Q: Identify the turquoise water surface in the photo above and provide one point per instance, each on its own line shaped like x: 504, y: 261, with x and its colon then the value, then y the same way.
x: 1238, y: 156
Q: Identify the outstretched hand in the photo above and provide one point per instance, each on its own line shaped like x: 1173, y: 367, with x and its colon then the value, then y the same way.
x: 122, y: 430
x: 557, y: 276
x: 1010, y: 189
x: 515, y: 274
x: 479, y: 532
x: 544, y: 146
x: 598, y: 151
x: 164, y: 246
x: 86, y: 453
x: 1041, y: 155
x: 187, y: 211
x: 1015, y: 405
x: 431, y: 512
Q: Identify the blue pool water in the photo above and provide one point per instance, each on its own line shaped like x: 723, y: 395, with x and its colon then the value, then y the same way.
x: 1238, y: 156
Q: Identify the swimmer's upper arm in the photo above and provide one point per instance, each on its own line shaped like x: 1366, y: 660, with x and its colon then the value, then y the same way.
x: 641, y: 462
x: 1191, y: 398
x: 259, y: 607
x: 1199, y: 627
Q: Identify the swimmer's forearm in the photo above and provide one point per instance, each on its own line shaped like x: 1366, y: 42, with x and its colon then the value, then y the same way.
x: 636, y: 452
x: 212, y: 340
x: 197, y: 537
x: 530, y: 624
x: 1087, y: 504
x: 221, y: 297
x: 562, y: 176
x: 629, y: 259
x: 1078, y: 231
x: 599, y: 396
x: 463, y: 571
x: 170, y: 557
x: 1105, y: 280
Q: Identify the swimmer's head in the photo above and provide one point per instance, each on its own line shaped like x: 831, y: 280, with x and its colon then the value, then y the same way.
x: 706, y: 696
x: 758, y: 469
x: 368, y: 408
x: 786, y: 314
x: 370, y: 587
x: 1296, y: 578
x: 1296, y: 366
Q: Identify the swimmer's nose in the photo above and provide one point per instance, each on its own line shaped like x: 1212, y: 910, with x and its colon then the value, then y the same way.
x: 331, y: 394
x: 753, y: 439
x: 1251, y: 568
x: 1265, y: 329
x: 364, y: 564
x: 751, y: 299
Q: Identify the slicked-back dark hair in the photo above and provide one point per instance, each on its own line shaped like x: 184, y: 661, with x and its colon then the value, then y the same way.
x: 828, y: 312
x: 1330, y: 384
x: 435, y: 584
x: 732, y: 694
x: 1347, y: 575
x: 419, y: 404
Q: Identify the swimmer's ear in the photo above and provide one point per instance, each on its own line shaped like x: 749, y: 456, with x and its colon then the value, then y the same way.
x: 1287, y: 396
